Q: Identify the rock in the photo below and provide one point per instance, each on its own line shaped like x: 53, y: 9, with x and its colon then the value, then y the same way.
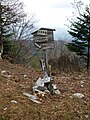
x: 24, y: 76
x: 40, y: 82
x: 13, y: 101
x: 57, y: 92
x: 54, y: 86
x: 82, y: 85
x: 86, y: 116
x: 5, y: 74
x: 5, y: 108
x: 32, y: 97
x: 41, y: 88
x: 81, y: 82
x: 79, y: 95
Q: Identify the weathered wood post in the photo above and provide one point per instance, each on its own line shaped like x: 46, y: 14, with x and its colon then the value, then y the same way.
x: 44, y: 40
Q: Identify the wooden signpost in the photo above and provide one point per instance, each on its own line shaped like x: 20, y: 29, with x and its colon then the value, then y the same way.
x: 44, y: 40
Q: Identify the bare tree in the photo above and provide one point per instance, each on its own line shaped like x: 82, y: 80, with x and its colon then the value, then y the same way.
x: 23, y: 29
x: 17, y: 26
x: 59, y: 49
x: 23, y: 38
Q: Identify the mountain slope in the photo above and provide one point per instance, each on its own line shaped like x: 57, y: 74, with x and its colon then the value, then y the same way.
x: 15, y: 106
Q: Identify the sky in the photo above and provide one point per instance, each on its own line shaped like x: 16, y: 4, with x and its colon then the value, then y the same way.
x: 51, y: 14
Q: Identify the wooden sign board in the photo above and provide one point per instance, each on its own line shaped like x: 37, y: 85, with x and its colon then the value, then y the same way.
x: 40, y: 39
x: 43, y: 34
x: 44, y: 38
x: 47, y: 45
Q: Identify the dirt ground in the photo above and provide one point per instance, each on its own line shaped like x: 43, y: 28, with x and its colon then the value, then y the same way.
x: 15, y: 106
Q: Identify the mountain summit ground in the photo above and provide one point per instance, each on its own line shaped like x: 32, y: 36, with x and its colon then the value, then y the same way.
x: 17, y: 79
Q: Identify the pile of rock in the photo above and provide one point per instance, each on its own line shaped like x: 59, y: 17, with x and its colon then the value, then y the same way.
x: 43, y: 86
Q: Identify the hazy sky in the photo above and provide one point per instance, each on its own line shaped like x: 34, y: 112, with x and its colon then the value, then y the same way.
x: 51, y: 13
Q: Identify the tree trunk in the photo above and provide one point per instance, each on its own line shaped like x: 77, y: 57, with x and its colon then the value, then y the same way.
x: 1, y: 47
x: 1, y: 42
x: 88, y: 56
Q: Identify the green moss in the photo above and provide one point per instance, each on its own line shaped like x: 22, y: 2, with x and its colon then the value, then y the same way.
x: 34, y: 62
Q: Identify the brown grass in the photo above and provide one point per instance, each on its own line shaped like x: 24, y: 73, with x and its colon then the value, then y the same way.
x: 62, y: 107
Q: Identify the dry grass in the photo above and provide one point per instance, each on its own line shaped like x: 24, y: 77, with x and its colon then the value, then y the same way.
x: 62, y: 107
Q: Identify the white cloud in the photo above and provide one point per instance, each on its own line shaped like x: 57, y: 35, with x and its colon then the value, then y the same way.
x: 50, y: 13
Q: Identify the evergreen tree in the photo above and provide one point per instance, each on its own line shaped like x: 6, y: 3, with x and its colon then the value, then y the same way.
x: 80, y: 32
x: 11, y: 12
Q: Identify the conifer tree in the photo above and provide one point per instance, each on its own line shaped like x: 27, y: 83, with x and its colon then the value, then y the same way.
x: 80, y: 32
x: 11, y: 12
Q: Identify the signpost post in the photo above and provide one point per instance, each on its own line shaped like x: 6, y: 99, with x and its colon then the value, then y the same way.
x: 44, y: 40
